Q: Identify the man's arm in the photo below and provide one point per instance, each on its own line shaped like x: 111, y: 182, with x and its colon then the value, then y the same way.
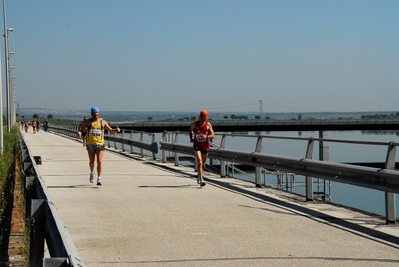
x: 111, y: 130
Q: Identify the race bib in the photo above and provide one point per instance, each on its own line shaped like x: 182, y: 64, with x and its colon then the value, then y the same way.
x: 95, y: 132
x: 199, y: 138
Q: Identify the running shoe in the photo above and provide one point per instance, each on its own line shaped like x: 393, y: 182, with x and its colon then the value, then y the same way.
x: 92, y: 177
x: 99, y: 181
x: 203, y: 184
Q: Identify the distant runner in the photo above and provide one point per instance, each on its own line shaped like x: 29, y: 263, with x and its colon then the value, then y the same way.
x: 81, y: 132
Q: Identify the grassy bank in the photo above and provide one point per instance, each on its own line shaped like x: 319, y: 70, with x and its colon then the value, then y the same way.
x: 7, y: 164
x: 10, y: 176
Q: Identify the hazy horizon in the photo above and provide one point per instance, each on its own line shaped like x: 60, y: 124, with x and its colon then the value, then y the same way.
x: 176, y: 111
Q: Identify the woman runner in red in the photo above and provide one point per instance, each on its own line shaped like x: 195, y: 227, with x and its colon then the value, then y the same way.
x: 201, y: 132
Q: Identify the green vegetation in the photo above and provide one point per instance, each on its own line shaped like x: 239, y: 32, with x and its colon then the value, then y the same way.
x: 11, y: 151
x: 322, y: 116
x: 7, y: 161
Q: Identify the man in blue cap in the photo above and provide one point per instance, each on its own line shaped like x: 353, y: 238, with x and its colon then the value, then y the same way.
x: 95, y: 141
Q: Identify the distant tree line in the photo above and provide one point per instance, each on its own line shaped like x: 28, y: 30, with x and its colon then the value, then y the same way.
x: 35, y: 116
x: 298, y: 118
x: 380, y: 116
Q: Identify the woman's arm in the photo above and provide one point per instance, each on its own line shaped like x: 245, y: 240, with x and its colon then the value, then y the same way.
x: 211, y: 133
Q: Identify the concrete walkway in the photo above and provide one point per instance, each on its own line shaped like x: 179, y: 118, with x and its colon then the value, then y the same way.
x: 149, y: 213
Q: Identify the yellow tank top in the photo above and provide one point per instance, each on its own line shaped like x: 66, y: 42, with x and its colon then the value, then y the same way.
x: 95, y: 134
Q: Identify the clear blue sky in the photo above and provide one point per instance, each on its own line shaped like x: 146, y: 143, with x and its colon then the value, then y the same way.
x: 187, y: 55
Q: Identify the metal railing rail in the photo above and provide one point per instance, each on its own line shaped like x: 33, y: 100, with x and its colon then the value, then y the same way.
x: 46, y: 225
x: 118, y: 141
x: 386, y: 179
x: 248, y: 123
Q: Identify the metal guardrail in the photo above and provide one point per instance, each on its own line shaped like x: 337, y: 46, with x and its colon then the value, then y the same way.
x: 247, y: 123
x: 46, y: 226
x: 386, y: 179
x: 119, y: 141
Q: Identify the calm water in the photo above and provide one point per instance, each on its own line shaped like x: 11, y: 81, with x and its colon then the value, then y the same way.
x: 353, y: 196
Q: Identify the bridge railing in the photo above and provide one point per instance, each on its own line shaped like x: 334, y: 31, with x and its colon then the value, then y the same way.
x: 46, y: 226
x: 126, y: 140
x: 385, y: 179
x: 216, y: 123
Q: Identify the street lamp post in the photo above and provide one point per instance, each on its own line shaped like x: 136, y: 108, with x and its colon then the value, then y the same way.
x: 10, y: 85
x: 7, y: 57
x: 7, y: 72
x: 13, y: 108
x: 1, y: 92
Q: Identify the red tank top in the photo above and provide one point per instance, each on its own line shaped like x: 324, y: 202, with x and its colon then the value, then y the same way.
x: 202, y: 143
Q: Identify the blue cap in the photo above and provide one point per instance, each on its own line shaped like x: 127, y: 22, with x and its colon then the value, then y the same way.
x: 95, y: 109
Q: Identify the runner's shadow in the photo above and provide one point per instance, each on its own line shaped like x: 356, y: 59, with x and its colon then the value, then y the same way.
x: 167, y: 186
x: 73, y: 186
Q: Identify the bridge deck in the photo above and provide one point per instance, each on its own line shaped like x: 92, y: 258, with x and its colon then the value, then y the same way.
x: 148, y: 213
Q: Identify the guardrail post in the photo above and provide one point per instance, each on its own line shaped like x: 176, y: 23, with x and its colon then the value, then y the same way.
x: 390, y: 209
x: 223, y: 162
x: 123, y: 135
x: 309, y: 180
x: 324, y: 155
x: 115, y: 146
x: 164, y: 139
x: 55, y: 262
x: 258, y: 173
x: 131, y: 138
x: 176, y: 141
x: 324, y: 147
x: 154, y: 155
x: 141, y: 140
x: 29, y: 193
x: 37, y: 231
x: 108, y: 142
x: 212, y: 161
